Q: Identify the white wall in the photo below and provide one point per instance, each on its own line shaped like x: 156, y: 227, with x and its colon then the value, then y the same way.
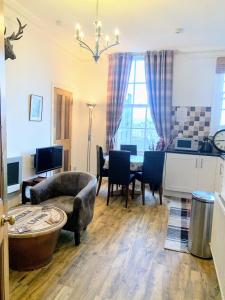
x: 93, y: 88
x: 40, y: 65
x: 194, y: 78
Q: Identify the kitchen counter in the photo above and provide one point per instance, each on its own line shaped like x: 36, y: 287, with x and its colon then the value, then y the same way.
x: 214, y: 153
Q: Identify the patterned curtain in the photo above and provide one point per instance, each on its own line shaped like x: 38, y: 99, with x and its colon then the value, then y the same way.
x: 159, y: 79
x: 118, y: 77
x: 220, y: 65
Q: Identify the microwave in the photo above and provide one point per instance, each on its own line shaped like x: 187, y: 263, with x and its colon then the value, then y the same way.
x: 187, y: 144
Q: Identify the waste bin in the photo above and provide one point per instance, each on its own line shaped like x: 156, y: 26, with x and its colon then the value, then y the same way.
x: 201, y: 224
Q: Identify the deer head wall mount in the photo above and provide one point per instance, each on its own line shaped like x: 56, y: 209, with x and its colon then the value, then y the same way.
x: 9, y: 53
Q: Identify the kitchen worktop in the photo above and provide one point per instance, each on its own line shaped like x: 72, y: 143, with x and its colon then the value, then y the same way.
x: 214, y: 153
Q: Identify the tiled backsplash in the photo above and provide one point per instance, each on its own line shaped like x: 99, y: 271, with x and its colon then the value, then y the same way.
x: 195, y: 121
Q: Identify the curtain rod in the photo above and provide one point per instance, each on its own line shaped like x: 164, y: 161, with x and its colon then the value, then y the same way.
x: 176, y: 51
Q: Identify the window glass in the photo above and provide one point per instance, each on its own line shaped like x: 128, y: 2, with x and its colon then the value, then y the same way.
x: 138, y: 117
x: 222, y: 118
x: 130, y: 94
x: 138, y: 138
x: 140, y: 71
x: 140, y: 95
x: 126, y: 118
x: 132, y: 73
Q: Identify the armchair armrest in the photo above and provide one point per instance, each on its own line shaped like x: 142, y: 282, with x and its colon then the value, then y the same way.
x: 43, y: 190
x: 87, y: 194
x: 83, y: 207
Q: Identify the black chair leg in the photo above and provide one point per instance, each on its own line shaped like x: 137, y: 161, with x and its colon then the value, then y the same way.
x: 143, y: 193
x: 152, y: 189
x: 133, y: 188
x: 122, y: 190
x: 99, y: 185
x: 112, y: 190
x: 108, y: 194
x: 160, y: 193
x: 127, y: 195
x: 77, y: 238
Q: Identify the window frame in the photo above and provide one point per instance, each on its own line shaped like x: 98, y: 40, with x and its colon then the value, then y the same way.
x: 217, y: 103
x: 133, y: 106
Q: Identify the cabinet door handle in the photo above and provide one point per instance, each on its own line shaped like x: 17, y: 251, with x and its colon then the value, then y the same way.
x: 201, y: 163
x: 196, y: 163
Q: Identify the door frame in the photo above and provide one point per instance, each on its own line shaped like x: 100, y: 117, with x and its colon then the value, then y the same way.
x: 4, y: 271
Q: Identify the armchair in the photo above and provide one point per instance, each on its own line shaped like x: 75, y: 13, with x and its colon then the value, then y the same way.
x: 73, y: 192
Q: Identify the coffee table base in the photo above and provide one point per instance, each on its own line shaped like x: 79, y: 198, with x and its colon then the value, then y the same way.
x: 26, y: 254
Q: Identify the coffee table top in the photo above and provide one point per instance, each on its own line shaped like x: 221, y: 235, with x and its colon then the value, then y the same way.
x: 35, y: 220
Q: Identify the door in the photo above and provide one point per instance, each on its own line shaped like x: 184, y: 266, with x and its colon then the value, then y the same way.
x: 218, y: 241
x: 207, y: 167
x: 63, y: 101
x: 181, y: 172
x: 4, y: 269
x: 219, y: 175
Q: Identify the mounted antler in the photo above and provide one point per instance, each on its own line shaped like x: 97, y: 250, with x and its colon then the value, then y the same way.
x: 9, y: 53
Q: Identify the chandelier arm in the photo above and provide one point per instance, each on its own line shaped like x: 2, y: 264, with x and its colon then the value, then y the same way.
x: 84, y: 45
x: 106, y: 48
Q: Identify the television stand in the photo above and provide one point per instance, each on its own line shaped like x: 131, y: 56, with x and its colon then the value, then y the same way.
x: 30, y: 182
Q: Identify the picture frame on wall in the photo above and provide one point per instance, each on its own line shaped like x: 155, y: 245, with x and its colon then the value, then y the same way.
x: 36, y: 108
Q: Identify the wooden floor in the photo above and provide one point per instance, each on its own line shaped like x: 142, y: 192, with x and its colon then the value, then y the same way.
x: 121, y: 257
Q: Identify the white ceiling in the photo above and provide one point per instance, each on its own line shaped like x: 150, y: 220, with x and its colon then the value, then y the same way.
x: 144, y: 24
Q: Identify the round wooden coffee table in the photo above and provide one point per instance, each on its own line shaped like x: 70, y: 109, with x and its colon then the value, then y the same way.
x: 33, y: 237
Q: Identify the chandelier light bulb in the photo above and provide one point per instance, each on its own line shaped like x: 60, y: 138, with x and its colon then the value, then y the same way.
x: 99, y: 24
x: 117, y: 34
x: 81, y: 36
x: 77, y: 29
x: 106, y: 40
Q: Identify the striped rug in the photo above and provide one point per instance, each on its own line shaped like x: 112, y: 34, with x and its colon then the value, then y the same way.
x: 178, y: 225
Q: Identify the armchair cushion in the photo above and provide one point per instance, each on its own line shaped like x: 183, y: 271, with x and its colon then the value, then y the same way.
x: 63, y: 202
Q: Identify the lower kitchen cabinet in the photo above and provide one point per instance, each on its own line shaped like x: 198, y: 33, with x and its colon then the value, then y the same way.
x: 220, y: 185
x: 185, y: 173
x: 207, y: 168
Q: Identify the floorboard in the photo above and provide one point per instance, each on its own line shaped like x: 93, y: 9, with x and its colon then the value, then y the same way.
x: 121, y: 256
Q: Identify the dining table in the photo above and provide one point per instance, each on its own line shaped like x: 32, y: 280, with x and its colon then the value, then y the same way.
x: 136, y: 162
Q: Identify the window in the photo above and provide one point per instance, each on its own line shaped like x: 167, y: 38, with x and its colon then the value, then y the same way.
x: 222, y: 118
x: 218, y: 105
x: 136, y: 126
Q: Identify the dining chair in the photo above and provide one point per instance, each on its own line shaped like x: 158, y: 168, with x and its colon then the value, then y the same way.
x: 152, y: 173
x: 101, y: 171
x: 119, y: 172
x: 131, y: 148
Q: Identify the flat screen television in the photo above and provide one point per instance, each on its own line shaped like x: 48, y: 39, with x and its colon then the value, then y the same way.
x: 48, y: 159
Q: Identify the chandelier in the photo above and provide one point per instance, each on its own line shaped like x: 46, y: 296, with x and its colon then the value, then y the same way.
x: 97, y: 51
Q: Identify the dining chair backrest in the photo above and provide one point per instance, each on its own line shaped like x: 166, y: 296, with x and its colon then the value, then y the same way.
x: 100, y: 160
x: 131, y: 148
x: 119, y: 167
x: 153, y: 167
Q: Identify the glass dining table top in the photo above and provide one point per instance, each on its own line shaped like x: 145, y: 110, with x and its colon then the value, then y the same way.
x: 136, y: 162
